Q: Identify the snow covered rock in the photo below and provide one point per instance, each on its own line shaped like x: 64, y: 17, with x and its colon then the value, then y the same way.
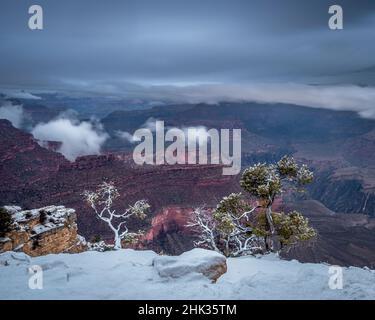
x: 36, y: 232
x: 209, y: 263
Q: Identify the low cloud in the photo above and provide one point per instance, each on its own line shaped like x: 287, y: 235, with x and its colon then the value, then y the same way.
x: 19, y: 94
x: 77, y: 138
x: 348, y: 97
x: 150, y: 124
x: 198, y: 133
x: 336, y: 97
x: 125, y: 136
x: 13, y: 113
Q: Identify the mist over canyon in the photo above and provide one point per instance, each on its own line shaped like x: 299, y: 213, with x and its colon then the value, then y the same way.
x: 337, y: 145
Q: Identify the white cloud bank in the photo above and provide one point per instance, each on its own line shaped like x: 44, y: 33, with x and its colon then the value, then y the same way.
x: 348, y: 97
x: 19, y: 94
x: 13, y: 113
x: 77, y: 138
x: 335, y: 97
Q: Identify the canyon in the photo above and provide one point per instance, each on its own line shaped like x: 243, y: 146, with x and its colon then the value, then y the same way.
x: 336, y: 145
x: 63, y: 182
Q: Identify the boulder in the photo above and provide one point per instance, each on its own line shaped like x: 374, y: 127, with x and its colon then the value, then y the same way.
x: 206, y: 262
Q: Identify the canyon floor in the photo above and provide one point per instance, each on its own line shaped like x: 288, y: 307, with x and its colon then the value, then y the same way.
x: 129, y: 274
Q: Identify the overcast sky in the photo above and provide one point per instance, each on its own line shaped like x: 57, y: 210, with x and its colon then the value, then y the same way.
x: 178, y: 42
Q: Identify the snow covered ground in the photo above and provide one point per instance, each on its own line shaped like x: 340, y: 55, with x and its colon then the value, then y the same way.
x: 129, y: 274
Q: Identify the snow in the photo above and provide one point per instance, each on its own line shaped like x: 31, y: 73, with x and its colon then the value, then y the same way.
x: 197, y: 260
x: 100, y: 246
x: 81, y: 240
x: 129, y: 274
x: 12, y: 209
x: 41, y: 228
x: 6, y: 239
x: 55, y: 216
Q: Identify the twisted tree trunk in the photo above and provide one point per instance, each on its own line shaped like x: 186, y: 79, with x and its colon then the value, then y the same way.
x: 273, y: 242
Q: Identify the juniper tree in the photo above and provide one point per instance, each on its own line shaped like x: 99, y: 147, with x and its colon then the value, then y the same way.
x: 236, y: 227
x: 101, y: 201
x: 266, y: 182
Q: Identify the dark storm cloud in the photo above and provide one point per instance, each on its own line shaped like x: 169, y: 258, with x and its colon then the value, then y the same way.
x: 175, y: 41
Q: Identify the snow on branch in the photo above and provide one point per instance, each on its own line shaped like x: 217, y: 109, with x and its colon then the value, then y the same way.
x: 225, y: 232
x: 101, y: 201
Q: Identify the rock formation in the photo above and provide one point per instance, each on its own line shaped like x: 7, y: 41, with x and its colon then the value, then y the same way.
x: 42, y: 231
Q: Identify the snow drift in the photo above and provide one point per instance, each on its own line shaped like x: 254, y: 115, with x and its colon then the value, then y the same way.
x: 129, y: 274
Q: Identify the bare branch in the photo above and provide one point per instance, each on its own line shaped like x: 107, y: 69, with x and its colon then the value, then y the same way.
x: 103, y: 198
